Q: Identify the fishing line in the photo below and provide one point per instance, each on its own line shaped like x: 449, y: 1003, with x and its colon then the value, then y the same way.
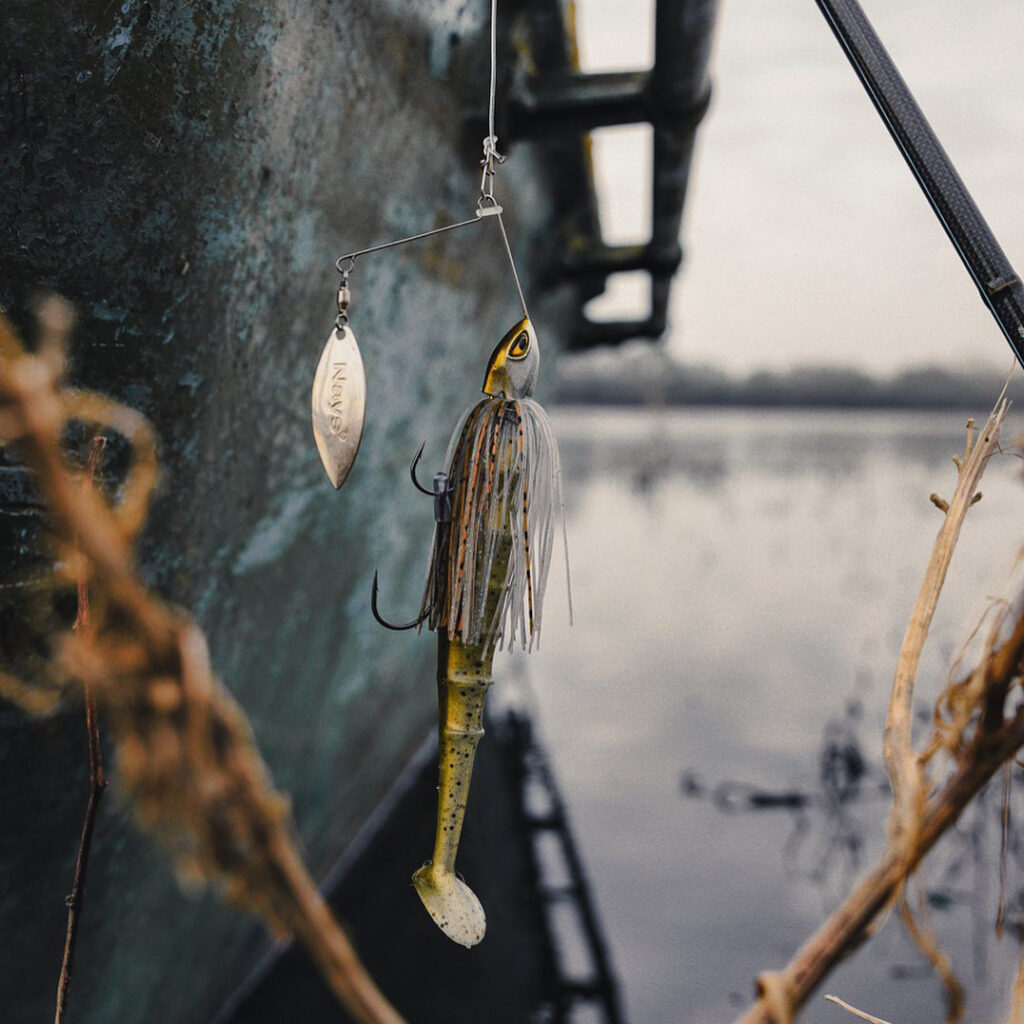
x: 491, y: 153
x: 339, y: 384
x: 492, y: 139
x: 487, y: 205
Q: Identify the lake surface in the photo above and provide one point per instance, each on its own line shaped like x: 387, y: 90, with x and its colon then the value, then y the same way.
x: 741, y: 582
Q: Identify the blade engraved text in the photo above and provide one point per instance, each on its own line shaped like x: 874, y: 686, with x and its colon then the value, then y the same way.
x: 336, y: 401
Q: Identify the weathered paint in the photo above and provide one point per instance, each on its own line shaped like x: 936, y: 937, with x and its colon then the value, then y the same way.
x: 186, y: 172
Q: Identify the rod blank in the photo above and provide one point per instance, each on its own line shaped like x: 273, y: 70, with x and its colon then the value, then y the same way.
x: 1000, y: 287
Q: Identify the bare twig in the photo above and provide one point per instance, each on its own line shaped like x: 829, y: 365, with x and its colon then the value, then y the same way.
x: 853, y: 1009
x: 97, y: 784
x: 905, y: 771
x: 1017, y: 1007
x: 919, y: 928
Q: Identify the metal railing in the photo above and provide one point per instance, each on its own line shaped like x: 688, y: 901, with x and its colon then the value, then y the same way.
x: 672, y: 97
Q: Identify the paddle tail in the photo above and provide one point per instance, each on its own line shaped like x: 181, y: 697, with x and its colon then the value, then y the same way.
x: 464, y: 676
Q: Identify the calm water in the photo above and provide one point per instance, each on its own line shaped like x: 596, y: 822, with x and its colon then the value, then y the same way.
x: 741, y: 584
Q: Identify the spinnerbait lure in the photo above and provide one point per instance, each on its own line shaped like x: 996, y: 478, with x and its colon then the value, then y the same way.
x: 494, y: 507
x: 497, y: 504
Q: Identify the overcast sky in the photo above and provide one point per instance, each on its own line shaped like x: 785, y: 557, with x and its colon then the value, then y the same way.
x: 807, y: 239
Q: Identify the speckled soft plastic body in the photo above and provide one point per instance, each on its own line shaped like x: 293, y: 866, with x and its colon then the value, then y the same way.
x: 464, y: 675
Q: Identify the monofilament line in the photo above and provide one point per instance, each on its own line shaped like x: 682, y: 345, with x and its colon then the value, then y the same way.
x: 486, y: 206
x: 494, y: 73
x: 491, y: 152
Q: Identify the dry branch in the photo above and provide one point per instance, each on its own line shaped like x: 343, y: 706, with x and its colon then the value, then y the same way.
x: 186, y: 754
x: 97, y: 784
x: 857, y: 1013
x: 905, y: 771
x: 1017, y: 1005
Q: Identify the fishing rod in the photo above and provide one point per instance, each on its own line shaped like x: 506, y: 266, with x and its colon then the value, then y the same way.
x: 1000, y: 287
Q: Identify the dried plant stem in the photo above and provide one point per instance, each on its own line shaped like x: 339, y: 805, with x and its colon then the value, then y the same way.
x: 97, y: 784
x: 849, y: 924
x: 920, y: 930
x: 1017, y: 1005
x: 314, y: 926
x: 918, y: 819
x: 904, y: 767
x: 76, y: 898
x: 853, y: 1009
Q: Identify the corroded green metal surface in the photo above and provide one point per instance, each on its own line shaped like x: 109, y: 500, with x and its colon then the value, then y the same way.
x: 186, y: 173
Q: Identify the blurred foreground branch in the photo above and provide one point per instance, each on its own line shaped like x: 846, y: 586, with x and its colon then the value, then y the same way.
x: 186, y: 754
x: 971, y: 726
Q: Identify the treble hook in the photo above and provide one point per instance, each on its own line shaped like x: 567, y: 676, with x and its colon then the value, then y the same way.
x: 387, y: 625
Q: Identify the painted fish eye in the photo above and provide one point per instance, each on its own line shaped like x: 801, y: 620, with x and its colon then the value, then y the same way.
x: 520, y: 346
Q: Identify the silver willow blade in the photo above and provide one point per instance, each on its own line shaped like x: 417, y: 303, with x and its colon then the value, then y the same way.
x: 339, y: 403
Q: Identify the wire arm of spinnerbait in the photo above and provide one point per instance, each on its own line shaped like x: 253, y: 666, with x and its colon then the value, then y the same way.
x: 487, y: 204
x: 483, y: 209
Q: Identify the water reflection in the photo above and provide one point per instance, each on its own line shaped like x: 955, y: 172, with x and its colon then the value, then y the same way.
x: 826, y: 841
x: 742, y: 581
x: 706, y: 446
x: 832, y: 816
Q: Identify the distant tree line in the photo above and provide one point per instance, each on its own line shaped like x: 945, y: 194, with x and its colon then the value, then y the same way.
x: 653, y: 379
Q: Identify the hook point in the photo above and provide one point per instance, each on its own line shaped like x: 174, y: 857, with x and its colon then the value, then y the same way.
x: 412, y: 472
